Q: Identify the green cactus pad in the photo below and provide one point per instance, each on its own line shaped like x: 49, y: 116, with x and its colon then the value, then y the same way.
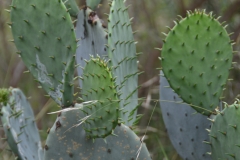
x: 98, y: 84
x: 196, y: 58
x: 20, y: 127
x: 70, y: 143
x: 72, y: 7
x: 92, y: 38
x: 44, y: 35
x: 225, y: 134
x: 122, y: 52
x: 93, y: 3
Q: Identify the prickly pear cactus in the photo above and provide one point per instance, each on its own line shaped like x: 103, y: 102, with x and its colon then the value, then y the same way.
x: 98, y: 84
x: 185, y: 127
x: 67, y: 142
x: 196, y: 58
x: 44, y: 36
x: 122, y: 52
x: 20, y: 127
x: 92, y: 38
x: 93, y: 3
x: 225, y: 134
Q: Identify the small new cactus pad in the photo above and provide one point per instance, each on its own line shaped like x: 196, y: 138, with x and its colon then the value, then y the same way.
x: 122, y: 52
x: 4, y: 95
x: 20, y: 127
x: 70, y: 143
x: 99, y: 85
x: 93, y: 3
x: 72, y: 7
x: 185, y: 127
x: 47, y: 51
x: 196, y: 58
x: 92, y: 38
x: 225, y: 134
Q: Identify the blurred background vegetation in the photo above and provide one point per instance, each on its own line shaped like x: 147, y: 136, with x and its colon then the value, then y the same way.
x: 150, y: 19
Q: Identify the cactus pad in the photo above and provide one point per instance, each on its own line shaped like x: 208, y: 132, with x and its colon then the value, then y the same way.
x: 47, y: 51
x: 92, y: 38
x: 185, y: 127
x: 122, y: 52
x: 93, y: 3
x: 99, y: 85
x: 225, y: 134
x: 196, y: 58
x: 72, y: 7
x: 68, y: 142
x: 20, y: 127
x: 6, y: 111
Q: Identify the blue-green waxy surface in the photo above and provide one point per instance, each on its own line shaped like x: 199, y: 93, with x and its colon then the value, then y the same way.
x: 92, y: 38
x: 67, y: 142
x: 186, y: 128
x: 122, y: 53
